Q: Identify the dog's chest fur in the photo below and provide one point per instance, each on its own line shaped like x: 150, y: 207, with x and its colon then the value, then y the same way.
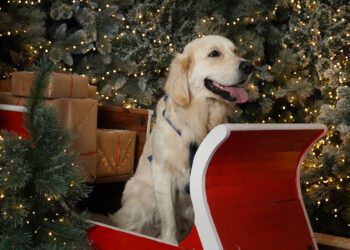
x: 194, y: 121
x: 200, y: 117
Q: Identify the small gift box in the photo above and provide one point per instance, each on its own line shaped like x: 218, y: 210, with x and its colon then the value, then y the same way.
x: 61, y: 85
x: 5, y: 85
x: 116, y: 154
x: 92, y: 92
x: 80, y: 117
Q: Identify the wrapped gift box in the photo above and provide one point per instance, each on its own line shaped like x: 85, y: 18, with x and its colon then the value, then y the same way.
x: 60, y: 86
x: 80, y: 117
x: 138, y: 120
x: 92, y: 92
x: 5, y: 85
x: 7, y: 98
x: 116, y: 154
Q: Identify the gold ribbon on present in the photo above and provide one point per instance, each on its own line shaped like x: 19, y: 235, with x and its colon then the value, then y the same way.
x: 118, y: 162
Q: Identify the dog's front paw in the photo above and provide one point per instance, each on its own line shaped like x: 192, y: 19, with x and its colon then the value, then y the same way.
x: 169, y: 238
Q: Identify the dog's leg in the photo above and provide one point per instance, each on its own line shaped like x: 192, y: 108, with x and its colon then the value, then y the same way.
x: 184, y: 215
x: 165, y: 196
x: 139, y: 211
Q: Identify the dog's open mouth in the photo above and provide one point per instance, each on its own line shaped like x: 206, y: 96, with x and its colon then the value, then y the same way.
x: 230, y: 93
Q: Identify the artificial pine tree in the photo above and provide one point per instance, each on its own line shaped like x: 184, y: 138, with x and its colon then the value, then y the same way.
x: 151, y: 32
x: 124, y: 47
x: 257, y: 29
x: 39, y: 182
x: 327, y: 174
x: 22, y: 25
x: 319, y: 34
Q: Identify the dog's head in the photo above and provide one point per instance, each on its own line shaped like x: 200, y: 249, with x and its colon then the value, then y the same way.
x: 208, y: 67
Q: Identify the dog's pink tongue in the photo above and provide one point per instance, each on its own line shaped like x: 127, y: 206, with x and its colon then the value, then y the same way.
x: 240, y: 94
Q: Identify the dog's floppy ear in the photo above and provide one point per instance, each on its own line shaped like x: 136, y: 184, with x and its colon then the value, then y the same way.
x: 177, y: 83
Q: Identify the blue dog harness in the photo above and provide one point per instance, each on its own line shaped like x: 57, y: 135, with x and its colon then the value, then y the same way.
x: 178, y: 131
x: 192, y: 148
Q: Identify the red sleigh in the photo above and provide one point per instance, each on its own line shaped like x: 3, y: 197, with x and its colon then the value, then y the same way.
x: 245, y: 191
x: 244, y: 187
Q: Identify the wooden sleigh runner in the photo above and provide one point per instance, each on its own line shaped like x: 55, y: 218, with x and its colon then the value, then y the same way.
x: 245, y: 191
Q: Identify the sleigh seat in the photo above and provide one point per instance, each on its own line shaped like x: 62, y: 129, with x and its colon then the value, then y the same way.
x: 245, y: 191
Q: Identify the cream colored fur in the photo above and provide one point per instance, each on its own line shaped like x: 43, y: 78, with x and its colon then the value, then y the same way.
x: 154, y: 201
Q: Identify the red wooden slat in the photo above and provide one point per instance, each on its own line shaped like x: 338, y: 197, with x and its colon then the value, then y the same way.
x: 12, y: 121
x: 251, y: 191
x: 104, y: 238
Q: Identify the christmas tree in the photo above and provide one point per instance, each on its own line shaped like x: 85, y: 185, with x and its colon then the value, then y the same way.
x: 300, y: 50
x: 125, y: 48
x: 22, y: 25
x: 319, y: 33
x: 39, y: 184
x: 327, y: 174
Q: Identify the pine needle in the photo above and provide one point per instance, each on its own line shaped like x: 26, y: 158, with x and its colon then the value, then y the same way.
x: 43, y: 69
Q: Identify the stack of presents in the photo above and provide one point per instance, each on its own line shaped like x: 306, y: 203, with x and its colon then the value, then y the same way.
x: 107, y: 139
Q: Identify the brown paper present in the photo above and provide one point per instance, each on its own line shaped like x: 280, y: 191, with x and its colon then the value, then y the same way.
x: 8, y: 98
x: 139, y: 120
x: 116, y: 153
x: 80, y: 117
x: 5, y: 85
x: 92, y: 92
x: 60, y: 85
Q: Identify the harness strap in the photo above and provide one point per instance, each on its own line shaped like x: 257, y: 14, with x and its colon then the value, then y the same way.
x: 192, y: 148
x: 192, y: 151
x: 178, y: 131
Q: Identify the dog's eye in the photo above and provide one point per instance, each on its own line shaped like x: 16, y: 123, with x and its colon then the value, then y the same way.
x: 214, y: 53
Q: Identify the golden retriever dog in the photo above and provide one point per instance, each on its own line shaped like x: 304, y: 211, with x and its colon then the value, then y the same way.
x: 203, y: 85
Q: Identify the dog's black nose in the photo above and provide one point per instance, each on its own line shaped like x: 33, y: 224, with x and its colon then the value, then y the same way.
x: 246, y: 67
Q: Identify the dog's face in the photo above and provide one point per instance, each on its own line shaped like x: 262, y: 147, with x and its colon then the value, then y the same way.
x: 209, y: 67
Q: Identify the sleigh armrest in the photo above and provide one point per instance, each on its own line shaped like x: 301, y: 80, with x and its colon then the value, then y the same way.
x: 245, y: 186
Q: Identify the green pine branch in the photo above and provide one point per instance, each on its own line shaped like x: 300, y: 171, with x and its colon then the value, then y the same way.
x: 43, y: 69
x: 40, y: 183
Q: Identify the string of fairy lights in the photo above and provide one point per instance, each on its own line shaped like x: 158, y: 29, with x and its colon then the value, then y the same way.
x: 339, y: 182
x: 128, y: 30
x: 25, y: 2
x: 21, y: 208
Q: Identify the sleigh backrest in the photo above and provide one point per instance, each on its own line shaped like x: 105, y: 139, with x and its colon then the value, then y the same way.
x: 245, y: 186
